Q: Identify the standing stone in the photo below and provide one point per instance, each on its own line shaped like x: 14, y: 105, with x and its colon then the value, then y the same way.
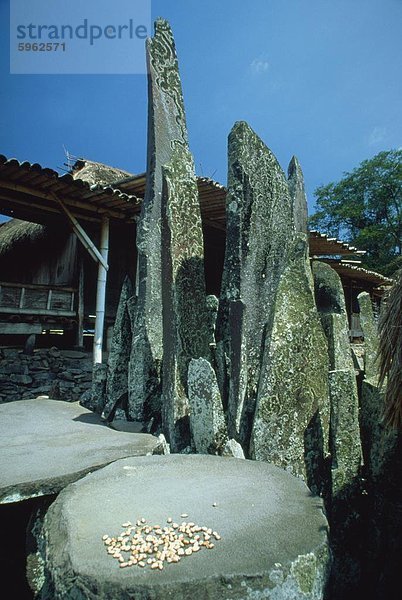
x: 345, y: 446
x: 166, y: 125
x: 371, y: 341
x: 259, y: 227
x: 119, y: 355
x: 237, y: 367
x: 207, y: 420
x: 298, y: 195
x: 185, y: 315
x: 212, y: 311
x: 292, y: 415
x: 233, y: 448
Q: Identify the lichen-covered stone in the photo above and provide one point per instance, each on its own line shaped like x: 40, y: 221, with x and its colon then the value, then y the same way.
x: 292, y: 415
x: 186, y: 326
x: 371, y: 341
x: 207, y: 420
x: 237, y: 385
x: 259, y: 227
x: 233, y: 448
x: 212, y: 312
x: 298, y: 195
x: 166, y: 124
x: 119, y: 355
x: 345, y: 445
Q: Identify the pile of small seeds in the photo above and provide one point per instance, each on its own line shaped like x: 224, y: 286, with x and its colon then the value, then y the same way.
x: 154, y: 545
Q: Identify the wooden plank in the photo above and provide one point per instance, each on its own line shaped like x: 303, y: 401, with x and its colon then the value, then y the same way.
x: 35, y: 311
x: 20, y: 328
x: 38, y: 286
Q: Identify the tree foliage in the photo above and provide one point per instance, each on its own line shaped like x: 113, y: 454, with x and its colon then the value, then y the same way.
x: 365, y: 209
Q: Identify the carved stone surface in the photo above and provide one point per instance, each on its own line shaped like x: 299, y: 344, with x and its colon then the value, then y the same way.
x: 345, y: 446
x: 185, y: 317
x: 207, y: 420
x: 298, y: 195
x: 259, y: 226
x: 273, y: 544
x: 292, y: 415
x: 371, y: 342
x: 119, y: 355
x: 166, y: 123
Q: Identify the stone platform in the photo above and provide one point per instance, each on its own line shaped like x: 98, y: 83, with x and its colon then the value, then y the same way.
x: 273, y: 532
x: 47, y: 444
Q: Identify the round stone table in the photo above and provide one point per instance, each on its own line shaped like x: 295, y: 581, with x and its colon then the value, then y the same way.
x: 273, y: 532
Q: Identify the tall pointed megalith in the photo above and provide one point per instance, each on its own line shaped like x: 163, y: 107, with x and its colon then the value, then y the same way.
x: 166, y: 127
x: 259, y: 228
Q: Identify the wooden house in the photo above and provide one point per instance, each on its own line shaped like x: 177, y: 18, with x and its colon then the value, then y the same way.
x: 69, y: 233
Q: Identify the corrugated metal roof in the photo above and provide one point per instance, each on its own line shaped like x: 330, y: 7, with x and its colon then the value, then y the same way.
x: 322, y: 244
x: 357, y: 273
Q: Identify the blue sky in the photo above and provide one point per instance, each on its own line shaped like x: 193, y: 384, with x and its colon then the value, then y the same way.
x: 319, y: 78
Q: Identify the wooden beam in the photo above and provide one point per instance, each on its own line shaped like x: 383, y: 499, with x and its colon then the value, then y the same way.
x: 101, y: 293
x: 20, y: 328
x: 80, y: 307
x: 48, y: 196
x: 82, y: 235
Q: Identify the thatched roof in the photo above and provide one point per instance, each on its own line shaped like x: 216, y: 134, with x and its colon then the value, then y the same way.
x: 97, y: 173
x: 16, y: 232
x: 390, y: 330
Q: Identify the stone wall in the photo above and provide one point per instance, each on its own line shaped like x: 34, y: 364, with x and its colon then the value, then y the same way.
x: 64, y: 374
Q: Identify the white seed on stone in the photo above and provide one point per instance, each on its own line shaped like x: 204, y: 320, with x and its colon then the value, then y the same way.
x: 184, y: 516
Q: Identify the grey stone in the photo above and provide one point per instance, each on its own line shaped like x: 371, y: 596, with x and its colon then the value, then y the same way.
x: 207, y: 420
x: 379, y: 442
x: 237, y: 367
x: 162, y: 447
x: 185, y: 316
x: 273, y: 533
x: 119, y: 355
x: 17, y: 369
x: 292, y: 416
x: 42, y: 376
x: 233, y: 448
x: 259, y: 226
x: 99, y: 378
x: 54, y: 444
x: 74, y: 354
x: 212, y: 312
x: 298, y: 195
x: 345, y: 446
x: 166, y: 124
x: 127, y: 426
x: 371, y: 341
x: 23, y: 379
x: 30, y: 344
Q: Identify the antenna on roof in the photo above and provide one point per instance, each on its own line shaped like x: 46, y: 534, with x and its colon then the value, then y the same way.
x: 70, y: 158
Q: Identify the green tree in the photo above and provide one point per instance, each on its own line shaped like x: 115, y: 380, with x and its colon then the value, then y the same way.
x: 365, y: 209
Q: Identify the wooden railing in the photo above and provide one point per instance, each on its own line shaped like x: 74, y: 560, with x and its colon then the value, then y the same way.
x: 31, y: 299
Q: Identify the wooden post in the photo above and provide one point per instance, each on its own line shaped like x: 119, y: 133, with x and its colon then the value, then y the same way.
x: 80, y: 306
x: 101, y: 292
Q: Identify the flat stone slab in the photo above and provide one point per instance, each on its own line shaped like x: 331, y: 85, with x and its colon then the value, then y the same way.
x: 273, y: 532
x: 47, y: 444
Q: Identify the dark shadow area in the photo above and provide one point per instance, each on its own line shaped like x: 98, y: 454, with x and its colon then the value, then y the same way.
x: 14, y: 520
x: 317, y: 468
x: 90, y: 419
